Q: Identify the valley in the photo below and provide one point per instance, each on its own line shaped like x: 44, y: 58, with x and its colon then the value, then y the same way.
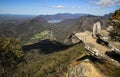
x: 60, y: 45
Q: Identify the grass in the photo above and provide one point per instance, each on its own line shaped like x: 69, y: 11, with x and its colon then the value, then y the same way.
x: 108, y: 69
x: 49, y: 65
x: 56, y: 64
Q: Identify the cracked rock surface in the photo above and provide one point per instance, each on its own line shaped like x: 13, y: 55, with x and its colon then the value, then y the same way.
x: 84, y: 69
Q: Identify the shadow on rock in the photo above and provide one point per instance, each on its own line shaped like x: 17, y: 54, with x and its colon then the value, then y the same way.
x: 113, y: 55
x: 92, y: 59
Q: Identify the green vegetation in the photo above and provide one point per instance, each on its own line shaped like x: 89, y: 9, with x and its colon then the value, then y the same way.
x: 115, y: 34
x: 10, y: 56
x: 108, y: 69
x: 40, y: 36
x: 56, y: 64
x: 49, y: 65
x: 116, y: 15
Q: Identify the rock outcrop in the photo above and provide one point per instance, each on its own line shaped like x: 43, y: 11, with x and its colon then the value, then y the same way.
x: 96, y: 28
x: 83, y: 69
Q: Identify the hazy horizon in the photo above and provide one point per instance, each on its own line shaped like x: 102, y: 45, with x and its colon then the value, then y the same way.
x: 53, y: 14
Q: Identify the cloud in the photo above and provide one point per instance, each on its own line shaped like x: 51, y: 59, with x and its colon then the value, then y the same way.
x: 59, y: 6
x: 106, y: 3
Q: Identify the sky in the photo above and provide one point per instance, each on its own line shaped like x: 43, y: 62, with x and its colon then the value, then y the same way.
x: 38, y: 7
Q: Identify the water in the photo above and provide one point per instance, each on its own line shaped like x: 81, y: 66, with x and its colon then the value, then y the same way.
x: 55, y: 21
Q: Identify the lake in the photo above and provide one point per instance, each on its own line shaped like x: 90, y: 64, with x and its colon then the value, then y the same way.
x: 55, y: 21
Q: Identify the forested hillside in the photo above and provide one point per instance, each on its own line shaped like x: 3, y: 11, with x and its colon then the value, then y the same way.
x: 74, y: 23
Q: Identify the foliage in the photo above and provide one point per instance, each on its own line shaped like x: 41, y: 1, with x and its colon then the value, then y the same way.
x: 116, y: 15
x: 46, y: 34
x: 10, y: 55
x: 115, y: 33
x: 39, y: 36
x: 108, y: 69
x: 50, y: 65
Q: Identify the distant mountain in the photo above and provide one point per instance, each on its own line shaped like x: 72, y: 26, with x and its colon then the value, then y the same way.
x: 12, y: 18
x: 10, y: 22
x: 71, y: 23
x: 86, y: 22
x: 62, y: 16
x: 83, y: 23
x: 40, y: 23
x: 108, y: 15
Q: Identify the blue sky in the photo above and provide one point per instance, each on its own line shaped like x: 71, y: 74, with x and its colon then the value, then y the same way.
x: 37, y: 7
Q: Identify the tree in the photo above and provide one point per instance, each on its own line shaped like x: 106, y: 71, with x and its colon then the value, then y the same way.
x: 115, y: 20
x: 116, y: 15
x: 10, y: 55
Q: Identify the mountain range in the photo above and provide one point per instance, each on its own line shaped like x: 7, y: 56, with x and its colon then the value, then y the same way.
x: 24, y: 27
